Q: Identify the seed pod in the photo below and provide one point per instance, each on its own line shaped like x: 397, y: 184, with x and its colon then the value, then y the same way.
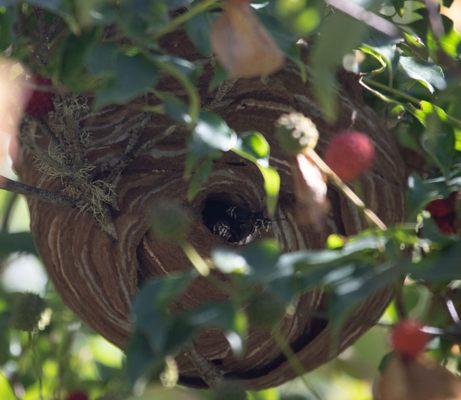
x: 295, y: 132
x: 26, y: 311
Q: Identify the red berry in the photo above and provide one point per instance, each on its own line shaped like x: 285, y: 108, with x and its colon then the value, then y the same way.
x: 442, y: 207
x: 77, y: 395
x: 447, y: 223
x: 40, y: 102
x: 349, y: 154
x: 408, y: 339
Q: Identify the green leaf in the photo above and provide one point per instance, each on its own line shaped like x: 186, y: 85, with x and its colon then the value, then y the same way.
x: 140, y: 361
x: 52, y: 5
x: 6, y: 392
x: 73, y: 57
x: 199, y: 177
x: 175, y: 108
x: 430, y: 75
x: 356, y: 285
x: 150, y: 308
x: 198, y: 30
x: 261, y: 258
x: 210, y: 136
x: 133, y: 76
x: 268, y: 394
x: 211, y: 133
x: 101, y: 59
x: 7, y: 20
x: 185, y: 67
x: 254, y: 147
x: 271, y: 187
x: 228, y: 261
x: 442, y: 266
x: 339, y: 34
x: 16, y: 242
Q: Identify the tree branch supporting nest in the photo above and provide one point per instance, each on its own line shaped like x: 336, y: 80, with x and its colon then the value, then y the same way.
x: 32, y: 191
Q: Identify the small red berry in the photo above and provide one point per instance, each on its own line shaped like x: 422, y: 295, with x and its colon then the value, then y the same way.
x: 408, y: 339
x: 442, y: 207
x: 446, y: 224
x: 40, y: 102
x: 349, y: 154
x: 77, y: 395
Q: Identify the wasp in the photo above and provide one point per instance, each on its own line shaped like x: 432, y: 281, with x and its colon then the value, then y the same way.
x: 236, y: 224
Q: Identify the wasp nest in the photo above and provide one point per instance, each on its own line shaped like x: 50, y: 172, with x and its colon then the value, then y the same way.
x: 116, y: 163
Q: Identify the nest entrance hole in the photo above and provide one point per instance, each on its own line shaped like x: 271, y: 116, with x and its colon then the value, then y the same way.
x: 232, y: 219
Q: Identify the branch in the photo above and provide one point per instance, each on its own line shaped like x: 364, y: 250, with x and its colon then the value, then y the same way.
x: 435, y: 19
x: 34, y: 192
x: 346, y: 190
x: 209, y: 373
x: 367, y: 17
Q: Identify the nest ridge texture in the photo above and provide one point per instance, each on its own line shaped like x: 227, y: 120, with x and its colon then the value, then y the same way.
x: 124, y: 160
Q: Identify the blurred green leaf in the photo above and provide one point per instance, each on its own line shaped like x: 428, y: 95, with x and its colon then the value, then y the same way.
x: 133, y: 76
x: 254, y: 147
x: 6, y: 393
x: 73, y: 56
x: 16, y: 242
x: 7, y: 20
x: 339, y: 34
x: 198, y: 30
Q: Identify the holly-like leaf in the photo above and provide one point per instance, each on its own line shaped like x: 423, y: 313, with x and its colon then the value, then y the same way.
x: 133, y: 76
x: 430, y: 75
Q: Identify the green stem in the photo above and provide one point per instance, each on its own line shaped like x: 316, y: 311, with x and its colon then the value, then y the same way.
x: 196, y: 259
x: 293, y: 361
x: 191, y: 90
x: 397, y: 92
x: 405, y: 96
x: 181, y: 19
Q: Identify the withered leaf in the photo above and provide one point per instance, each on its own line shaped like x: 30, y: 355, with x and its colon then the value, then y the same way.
x: 310, y: 191
x: 419, y: 379
x: 242, y: 44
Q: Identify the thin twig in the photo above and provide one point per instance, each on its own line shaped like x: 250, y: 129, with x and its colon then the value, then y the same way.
x: 210, y: 374
x: 182, y: 18
x: 34, y: 192
x: 435, y: 19
x: 346, y: 190
x: 406, y: 96
x: 197, y: 261
x: 367, y: 17
x: 294, y: 361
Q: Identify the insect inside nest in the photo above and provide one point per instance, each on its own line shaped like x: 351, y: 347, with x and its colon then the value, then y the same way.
x: 234, y: 223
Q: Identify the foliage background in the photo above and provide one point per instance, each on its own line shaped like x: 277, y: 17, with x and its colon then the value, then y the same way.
x: 412, y: 80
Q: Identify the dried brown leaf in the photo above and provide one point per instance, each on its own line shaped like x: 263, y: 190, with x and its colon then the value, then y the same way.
x: 310, y: 191
x: 419, y: 379
x: 242, y: 44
